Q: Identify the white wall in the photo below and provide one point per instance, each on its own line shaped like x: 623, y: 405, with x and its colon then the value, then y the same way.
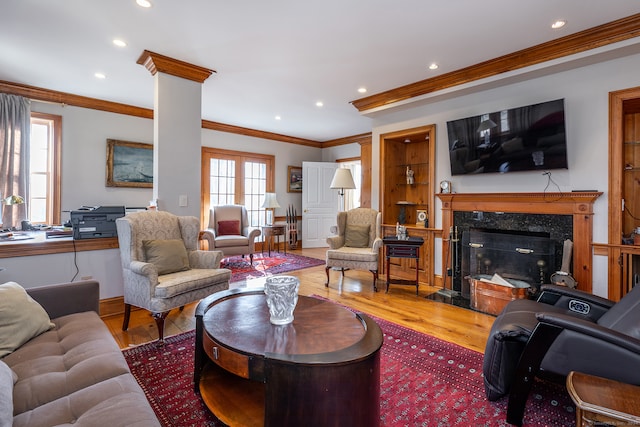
x: 84, y: 156
x: 286, y: 155
x: 346, y: 151
x: 585, y: 91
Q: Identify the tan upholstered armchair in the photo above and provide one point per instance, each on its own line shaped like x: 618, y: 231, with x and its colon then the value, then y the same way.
x: 358, y: 242
x: 229, y: 231
x: 162, y: 266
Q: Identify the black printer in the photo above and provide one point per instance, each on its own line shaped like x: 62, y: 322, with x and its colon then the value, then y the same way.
x: 91, y: 222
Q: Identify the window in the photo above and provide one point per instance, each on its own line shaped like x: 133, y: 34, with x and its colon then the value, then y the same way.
x: 44, y: 164
x: 352, y: 197
x: 504, y: 121
x: 255, y: 185
x: 222, y: 178
x: 234, y: 177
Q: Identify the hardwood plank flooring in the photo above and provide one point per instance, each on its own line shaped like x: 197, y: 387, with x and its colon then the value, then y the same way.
x: 401, y: 305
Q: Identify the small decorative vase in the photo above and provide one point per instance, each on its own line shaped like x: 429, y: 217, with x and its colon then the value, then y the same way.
x: 282, y: 297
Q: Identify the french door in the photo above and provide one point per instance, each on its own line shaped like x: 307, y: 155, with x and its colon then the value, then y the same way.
x: 234, y: 177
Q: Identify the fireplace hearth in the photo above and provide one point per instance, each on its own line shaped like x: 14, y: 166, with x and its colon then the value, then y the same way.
x: 526, y: 247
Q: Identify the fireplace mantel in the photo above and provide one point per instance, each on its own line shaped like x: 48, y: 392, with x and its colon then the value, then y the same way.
x: 578, y: 204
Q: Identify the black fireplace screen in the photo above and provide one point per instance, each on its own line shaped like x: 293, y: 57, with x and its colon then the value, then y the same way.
x: 526, y: 257
x: 521, y: 246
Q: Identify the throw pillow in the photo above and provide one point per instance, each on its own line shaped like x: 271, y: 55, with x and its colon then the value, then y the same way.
x: 356, y: 236
x: 169, y: 256
x: 229, y: 228
x: 7, y: 380
x: 21, y: 318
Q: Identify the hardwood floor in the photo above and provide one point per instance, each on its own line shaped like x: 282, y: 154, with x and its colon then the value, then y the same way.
x: 401, y: 305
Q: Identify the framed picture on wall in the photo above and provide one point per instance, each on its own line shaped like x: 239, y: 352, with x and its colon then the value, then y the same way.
x: 129, y: 164
x: 294, y: 175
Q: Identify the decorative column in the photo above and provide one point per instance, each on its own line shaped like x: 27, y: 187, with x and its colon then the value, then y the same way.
x: 177, y: 130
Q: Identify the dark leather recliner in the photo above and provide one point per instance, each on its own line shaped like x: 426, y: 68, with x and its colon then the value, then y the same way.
x: 564, y: 330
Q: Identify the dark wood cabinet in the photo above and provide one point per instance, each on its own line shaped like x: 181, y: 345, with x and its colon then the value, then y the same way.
x: 405, y: 268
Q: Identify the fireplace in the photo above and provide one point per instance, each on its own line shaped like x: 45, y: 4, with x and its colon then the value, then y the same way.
x: 525, y: 247
x: 559, y: 215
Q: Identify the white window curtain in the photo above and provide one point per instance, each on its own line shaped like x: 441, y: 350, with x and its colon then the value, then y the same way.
x: 352, y: 197
x: 15, y: 128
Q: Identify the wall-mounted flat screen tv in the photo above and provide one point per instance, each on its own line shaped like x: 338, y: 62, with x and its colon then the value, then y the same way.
x: 518, y: 139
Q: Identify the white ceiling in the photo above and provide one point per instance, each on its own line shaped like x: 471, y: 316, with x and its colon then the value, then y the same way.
x: 276, y: 57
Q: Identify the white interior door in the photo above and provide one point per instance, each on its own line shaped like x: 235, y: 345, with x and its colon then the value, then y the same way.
x: 319, y: 203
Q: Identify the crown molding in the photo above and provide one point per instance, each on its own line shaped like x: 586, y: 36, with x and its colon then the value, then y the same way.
x: 222, y: 127
x: 592, y: 38
x: 63, y: 98
x: 362, y: 138
x: 155, y: 62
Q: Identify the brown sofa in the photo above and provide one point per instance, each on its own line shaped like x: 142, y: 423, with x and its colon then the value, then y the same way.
x: 74, y: 373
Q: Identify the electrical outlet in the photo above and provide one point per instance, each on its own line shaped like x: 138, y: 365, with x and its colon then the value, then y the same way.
x: 182, y: 200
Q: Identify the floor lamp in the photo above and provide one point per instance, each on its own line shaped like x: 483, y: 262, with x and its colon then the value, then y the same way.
x: 342, y: 180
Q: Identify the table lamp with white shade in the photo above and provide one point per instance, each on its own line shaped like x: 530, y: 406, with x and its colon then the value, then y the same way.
x: 270, y: 203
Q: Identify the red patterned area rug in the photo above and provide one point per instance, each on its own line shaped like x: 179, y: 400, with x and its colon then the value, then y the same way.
x: 424, y: 381
x: 263, y: 265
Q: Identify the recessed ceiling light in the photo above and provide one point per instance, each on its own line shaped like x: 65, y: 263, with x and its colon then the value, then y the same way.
x: 278, y: 118
x: 100, y: 76
x: 119, y: 43
x: 362, y: 90
x: 558, y: 24
x: 319, y: 104
x: 143, y: 3
x: 433, y: 66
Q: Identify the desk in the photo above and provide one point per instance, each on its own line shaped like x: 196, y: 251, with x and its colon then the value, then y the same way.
x: 321, y: 369
x: 271, y: 231
x: 600, y: 401
x: 403, y: 248
x: 38, y: 244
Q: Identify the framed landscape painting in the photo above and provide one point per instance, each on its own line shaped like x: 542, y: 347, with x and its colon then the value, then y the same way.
x: 129, y: 164
x: 294, y: 173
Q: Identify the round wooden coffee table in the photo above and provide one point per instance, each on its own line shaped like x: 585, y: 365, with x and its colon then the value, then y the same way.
x: 321, y: 369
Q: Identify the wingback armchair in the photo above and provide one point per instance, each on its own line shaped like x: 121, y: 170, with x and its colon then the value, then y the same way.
x: 162, y: 266
x: 564, y: 330
x: 357, y: 244
x: 229, y: 231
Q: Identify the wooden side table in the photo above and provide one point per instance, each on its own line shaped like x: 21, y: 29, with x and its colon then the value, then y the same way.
x: 323, y: 369
x: 403, y: 248
x: 600, y: 401
x: 271, y: 231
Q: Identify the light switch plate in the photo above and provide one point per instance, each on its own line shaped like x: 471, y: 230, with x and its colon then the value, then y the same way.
x: 183, y: 201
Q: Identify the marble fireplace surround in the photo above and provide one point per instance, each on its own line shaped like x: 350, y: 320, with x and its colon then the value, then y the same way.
x: 577, y: 204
